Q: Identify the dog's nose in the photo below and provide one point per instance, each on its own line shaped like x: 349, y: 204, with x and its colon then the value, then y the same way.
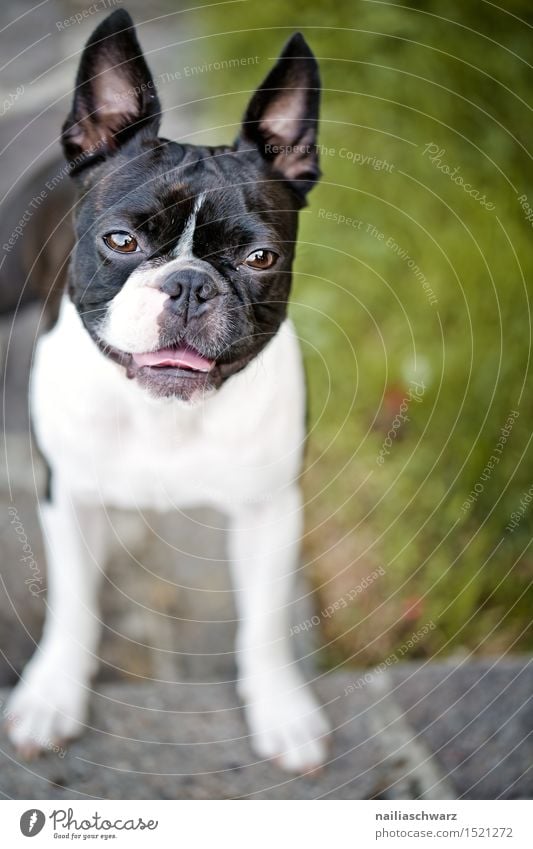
x: 189, y: 289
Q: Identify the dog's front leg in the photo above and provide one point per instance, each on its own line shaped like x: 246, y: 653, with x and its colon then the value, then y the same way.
x: 49, y: 704
x: 285, y: 720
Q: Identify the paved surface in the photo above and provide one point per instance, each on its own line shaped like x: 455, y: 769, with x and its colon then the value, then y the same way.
x: 190, y: 741
x: 165, y: 721
x: 477, y: 719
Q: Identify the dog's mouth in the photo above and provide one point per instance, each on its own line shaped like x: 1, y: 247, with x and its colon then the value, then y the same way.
x: 179, y: 371
x: 183, y: 358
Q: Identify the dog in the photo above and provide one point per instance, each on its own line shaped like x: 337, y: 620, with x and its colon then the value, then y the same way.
x: 172, y: 376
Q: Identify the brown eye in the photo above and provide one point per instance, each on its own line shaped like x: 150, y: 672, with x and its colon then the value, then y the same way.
x: 261, y: 259
x: 124, y: 243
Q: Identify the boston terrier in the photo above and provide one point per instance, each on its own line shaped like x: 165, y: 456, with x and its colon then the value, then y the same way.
x: 172, y: 376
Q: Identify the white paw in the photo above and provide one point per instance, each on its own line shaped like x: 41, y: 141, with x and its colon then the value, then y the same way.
x: 46, y: 708
x: 286, y: 722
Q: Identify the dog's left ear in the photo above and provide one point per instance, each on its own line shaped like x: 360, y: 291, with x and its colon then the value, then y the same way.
x: 115, y: 94
x: 281, y: 120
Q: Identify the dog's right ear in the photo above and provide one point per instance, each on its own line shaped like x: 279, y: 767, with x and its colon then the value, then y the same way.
x: 115, y: 95
x: 281, y: 120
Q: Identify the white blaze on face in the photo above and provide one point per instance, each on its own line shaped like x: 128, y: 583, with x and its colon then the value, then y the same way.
x: 131, y: 322
x: 183, y: 249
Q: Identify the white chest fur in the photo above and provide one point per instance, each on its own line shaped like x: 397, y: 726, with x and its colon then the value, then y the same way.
x: 109, y: 441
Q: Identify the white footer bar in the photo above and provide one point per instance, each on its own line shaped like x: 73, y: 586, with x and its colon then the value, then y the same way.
x: 267, y: 824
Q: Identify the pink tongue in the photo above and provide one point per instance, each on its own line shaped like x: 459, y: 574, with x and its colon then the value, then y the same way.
x: 174, y: 357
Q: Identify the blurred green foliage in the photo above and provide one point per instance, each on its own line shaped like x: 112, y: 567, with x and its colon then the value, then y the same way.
x: 398, y: 78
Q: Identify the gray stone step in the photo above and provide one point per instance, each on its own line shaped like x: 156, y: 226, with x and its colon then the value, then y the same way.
x: 477, y: 719
x: 190, y: 742
x: 428, y: 731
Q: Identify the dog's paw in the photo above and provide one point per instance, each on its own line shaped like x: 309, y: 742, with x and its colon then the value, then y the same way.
x: 46, y: 709
x: 286, y: 723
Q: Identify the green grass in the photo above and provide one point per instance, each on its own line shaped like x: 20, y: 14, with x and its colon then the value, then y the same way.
x: 395, y: 80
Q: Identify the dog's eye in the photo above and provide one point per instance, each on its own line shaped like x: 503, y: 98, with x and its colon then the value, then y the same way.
x: 261, y: 259
x: 124, y: 243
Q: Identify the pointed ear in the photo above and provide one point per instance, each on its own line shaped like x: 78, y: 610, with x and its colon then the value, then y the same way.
x: 115, y: 95
x: 281, y: 120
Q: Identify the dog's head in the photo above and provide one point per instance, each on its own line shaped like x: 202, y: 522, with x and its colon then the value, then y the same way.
x: 182, y: 266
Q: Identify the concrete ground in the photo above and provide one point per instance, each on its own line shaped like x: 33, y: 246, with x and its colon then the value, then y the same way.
x: 189, y: 742
x: 165, y: 721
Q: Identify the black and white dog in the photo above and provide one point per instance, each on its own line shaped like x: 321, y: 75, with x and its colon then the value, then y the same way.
x: 172, y: 376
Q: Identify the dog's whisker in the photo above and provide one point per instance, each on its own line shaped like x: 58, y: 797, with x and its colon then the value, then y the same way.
x: 91, y: 312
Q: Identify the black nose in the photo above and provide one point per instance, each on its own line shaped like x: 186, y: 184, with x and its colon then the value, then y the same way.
x: 189, y: 290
